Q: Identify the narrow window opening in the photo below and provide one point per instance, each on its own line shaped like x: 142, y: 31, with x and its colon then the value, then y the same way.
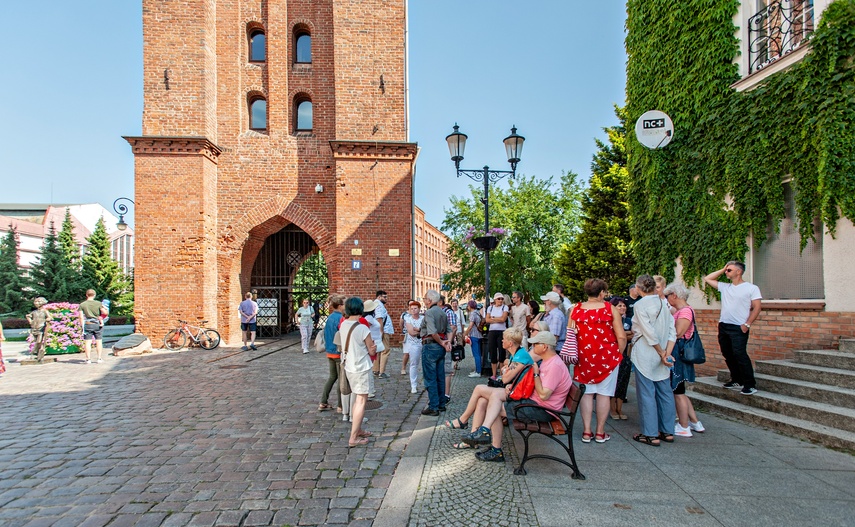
x: 257, y: 46
x: 258, y: 114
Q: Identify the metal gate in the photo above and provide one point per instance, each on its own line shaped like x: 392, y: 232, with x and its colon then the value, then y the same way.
x: 288, y: 268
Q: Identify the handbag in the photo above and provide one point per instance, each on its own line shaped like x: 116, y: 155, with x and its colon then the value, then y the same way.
x: 569, y: 352
x: 458, y: 353
x: 523, y: 386
x: 691, y: 350
x: 320, y: 342
x: 343, y: 382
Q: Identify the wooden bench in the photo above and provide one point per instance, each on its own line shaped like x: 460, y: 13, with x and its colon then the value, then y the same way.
x: 562, y: 425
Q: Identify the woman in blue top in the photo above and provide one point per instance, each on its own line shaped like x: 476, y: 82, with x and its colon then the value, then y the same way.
x: 484, y: 398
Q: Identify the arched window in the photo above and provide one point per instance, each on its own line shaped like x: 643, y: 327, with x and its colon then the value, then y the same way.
x: 258, y: 114
x: 303, y: 47
x: 257, y: 46
x: 303, y: 110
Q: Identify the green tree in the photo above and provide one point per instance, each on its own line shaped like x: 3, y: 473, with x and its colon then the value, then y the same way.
x: 50, y: 276
x: 602, y: 249
x: 70, y: 250
x: 539, y: 216
x: 12, y: 279
x: 102, y: 273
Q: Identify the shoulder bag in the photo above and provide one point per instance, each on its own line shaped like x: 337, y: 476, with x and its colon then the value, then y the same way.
x: 569, y: 353
x: 320, y: 342
x: 691, y: 350
x: 344, y: 384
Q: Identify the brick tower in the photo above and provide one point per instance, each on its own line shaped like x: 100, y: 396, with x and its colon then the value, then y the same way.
x: 262, y: 116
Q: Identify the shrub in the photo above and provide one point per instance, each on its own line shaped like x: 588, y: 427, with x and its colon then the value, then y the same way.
x: 64, y: 333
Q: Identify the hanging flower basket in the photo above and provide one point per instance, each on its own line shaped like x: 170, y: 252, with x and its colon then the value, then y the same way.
x: 484, y: 241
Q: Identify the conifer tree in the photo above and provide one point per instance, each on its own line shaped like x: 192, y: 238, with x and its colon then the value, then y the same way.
x: 102, y: 273
x: 12, y: 279
x: 602, y: 249
x: 70, y: 250
x: 50, y: 276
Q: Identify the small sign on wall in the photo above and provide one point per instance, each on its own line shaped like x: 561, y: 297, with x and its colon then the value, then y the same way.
x: 356, y: 265
x: 394, y: 252
x: 356, y: 252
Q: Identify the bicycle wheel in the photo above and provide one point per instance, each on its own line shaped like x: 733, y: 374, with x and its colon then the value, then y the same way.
x: 174, y: 340
x: 210, y: 340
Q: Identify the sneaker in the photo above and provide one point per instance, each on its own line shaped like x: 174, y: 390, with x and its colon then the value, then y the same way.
x: 383, y: 375
x: 305, y: 352
x: 748, y: 391
x: 88, y: 361
x: 447, y: 398
x: 376, y: 373
x: 682, y: 432
x: 413, y: 390
x: 482, y: 436
x: 100, y: 361
x: 474, y: 374
x: 731, y: 385
x: 492, y: 454
x: 372, y: 395
x: 403, y: 372
x: 697, y: 427
x: 245, y: 348
x: 442, y: 408
x: 345, y: 417
x: 430, y: 411
x: 253, y: 347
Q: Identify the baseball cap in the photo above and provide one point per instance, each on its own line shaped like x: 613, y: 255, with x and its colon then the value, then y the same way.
x: 552, y: 296
x: 543, y: 337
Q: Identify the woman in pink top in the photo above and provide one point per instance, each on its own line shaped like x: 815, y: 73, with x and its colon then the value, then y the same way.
x: 684, y: 316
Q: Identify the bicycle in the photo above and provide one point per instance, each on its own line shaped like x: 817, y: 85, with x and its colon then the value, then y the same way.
x: 177, y: 338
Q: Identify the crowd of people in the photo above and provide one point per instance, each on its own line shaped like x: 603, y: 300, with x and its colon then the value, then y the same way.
x: 536, y: 354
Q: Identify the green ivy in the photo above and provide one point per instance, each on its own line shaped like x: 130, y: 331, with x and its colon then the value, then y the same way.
x: 797, y: 123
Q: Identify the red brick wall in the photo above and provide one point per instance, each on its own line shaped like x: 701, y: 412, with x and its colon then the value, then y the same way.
x: 777, y: 333
x: 262, y: 181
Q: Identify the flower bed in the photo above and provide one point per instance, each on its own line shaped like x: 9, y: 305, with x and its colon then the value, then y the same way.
x: 64, y: 334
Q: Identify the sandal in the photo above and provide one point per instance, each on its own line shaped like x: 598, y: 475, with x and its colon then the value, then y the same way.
x: 358, y: 442
x: 461, y: 446
x: 456, y: 424
x: 587, y: 436
x: 364, y: 433
x: 647, y: 440
x: 602, y: 438
x: 324, y: 407
x: 668, y: 438
x: 615, y: 416
x: 623, y: 417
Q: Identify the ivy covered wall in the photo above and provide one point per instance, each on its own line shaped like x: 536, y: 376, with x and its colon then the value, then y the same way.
x: 737, y: 145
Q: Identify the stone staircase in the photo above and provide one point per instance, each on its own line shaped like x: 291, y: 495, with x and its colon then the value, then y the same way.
x: 811, y: 397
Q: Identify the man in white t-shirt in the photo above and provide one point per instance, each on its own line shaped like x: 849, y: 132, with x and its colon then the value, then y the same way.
x: 740, y: 307
x: 566, y: 304
x: 520, y: 315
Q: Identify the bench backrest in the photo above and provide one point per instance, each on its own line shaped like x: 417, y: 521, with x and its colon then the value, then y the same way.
x: 574, y: 396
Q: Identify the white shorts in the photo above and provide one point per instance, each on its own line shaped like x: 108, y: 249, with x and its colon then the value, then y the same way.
x: 605, y: 387
x: 360, y: 382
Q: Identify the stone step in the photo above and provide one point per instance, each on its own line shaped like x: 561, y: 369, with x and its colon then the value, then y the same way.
x: 828, y: 358
x: 821, y: 413
x: 806, y: 372
x: 805, y: 390
x: 790, y: 426
x: 846, y: 345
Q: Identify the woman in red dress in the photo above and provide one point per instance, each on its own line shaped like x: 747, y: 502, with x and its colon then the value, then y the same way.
x: 601, y: 337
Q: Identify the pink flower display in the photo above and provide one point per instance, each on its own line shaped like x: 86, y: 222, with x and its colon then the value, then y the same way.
x: 64, y: 334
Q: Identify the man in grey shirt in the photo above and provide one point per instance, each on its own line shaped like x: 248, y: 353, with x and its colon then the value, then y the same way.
x: 436, y: 342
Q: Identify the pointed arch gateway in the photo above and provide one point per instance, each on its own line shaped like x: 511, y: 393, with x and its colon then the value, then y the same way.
x: 282, y: 265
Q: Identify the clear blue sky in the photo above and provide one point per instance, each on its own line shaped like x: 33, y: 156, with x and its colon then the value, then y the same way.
x: 72, y: 86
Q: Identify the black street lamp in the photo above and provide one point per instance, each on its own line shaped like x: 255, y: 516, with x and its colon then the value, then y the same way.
x: 513, y: 147
x: 121, y: 209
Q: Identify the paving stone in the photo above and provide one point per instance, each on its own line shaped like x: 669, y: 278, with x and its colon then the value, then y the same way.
x: 257, y: 517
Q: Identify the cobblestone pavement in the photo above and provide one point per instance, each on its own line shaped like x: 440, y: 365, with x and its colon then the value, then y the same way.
x: 176, y: 439
x: 458, y: 489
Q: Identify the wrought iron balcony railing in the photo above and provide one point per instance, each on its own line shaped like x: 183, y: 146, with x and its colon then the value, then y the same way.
x: 777, y: 29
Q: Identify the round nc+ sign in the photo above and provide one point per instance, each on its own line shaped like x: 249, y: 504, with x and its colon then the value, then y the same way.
x: 654, y: 129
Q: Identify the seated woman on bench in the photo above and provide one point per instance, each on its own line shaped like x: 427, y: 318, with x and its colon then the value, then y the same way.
x: 483, y: 394
x: 552, y: 383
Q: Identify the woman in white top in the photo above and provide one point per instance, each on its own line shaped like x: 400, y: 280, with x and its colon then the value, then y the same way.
x: 413, y: 322
x: 497, y: 317
x: 376, y: 333
x: 305, y: 314
x: 654, y: 339
x: 357, y: 349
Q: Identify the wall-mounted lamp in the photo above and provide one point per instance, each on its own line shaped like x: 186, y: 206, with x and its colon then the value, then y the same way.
x: 122, y: 209
x: 319, y: 188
